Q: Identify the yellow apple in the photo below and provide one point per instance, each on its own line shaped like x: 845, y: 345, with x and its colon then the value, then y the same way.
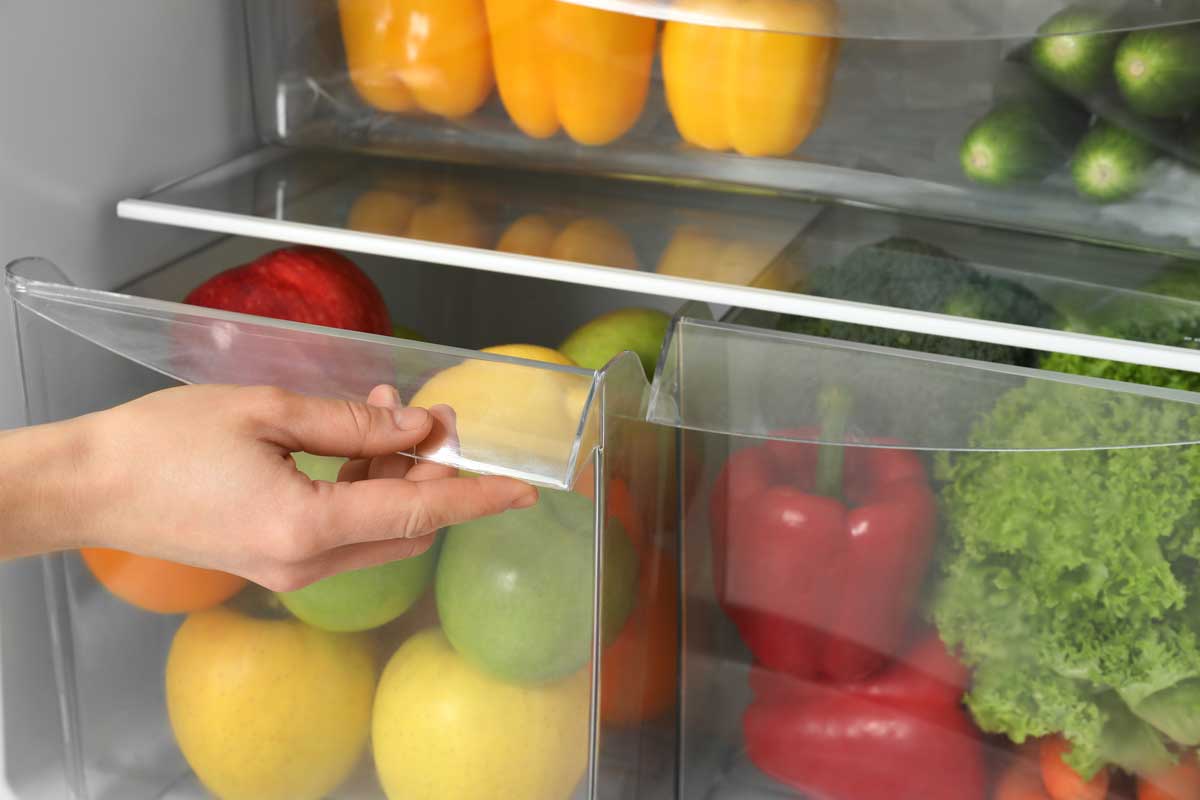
x: 268, y: 709
x: 444, y: 730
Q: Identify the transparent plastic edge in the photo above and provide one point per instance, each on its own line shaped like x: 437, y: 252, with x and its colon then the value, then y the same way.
x: 853, y: 26
x: 32, y: 294
x: 666, y: 407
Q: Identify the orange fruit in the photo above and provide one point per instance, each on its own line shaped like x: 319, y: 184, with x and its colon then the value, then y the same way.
x: 640, y: 669
x: 163, y: 587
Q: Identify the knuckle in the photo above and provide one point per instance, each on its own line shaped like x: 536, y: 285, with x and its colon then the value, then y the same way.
x: 361, y: 419
x: 269, y: 402
x: 289, y: 544
x: 417, y: 522
x: 285, y: 579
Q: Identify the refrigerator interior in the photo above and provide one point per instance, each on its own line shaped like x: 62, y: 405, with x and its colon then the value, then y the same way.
x: 637, y: 222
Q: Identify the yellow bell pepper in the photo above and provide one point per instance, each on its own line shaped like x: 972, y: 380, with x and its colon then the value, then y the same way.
x: 431, y: 55
x: 442, y: 215
x: 759, y: 92
x: 561, y: 65
x: 696, y: 251
x: 588, y: 240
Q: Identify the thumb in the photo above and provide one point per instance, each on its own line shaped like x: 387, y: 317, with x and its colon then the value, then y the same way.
x: 346, y: 428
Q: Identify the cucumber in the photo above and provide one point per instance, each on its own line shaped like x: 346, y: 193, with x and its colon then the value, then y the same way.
x: 1111, y: 163
x: 1069, y: 56
x: 1020, y: 140
x: 1158, y: 71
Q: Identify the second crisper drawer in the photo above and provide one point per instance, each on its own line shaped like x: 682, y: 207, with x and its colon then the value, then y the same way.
x: 823, y: 569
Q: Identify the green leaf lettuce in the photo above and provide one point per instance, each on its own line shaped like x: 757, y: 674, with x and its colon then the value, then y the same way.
x: 1070, y: 578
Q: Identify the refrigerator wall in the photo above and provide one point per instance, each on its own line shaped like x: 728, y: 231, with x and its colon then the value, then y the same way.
x: 100, y: 100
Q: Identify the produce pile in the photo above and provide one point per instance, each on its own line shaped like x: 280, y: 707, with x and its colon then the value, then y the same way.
x: 908, y: 273
x: 1063, y: 591
x: 465, y: 670
x: 1108, y: 105
x: 1071, y: 579
x: 587, y: 71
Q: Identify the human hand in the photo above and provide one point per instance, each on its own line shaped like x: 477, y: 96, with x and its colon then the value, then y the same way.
x: 202, y: 475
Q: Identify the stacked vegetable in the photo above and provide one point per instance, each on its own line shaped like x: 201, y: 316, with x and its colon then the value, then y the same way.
x: 1174, y: 321
x: 1071, y: 585
x: 907, y: 273
x: 819, y: 554
x: 1110, y: 105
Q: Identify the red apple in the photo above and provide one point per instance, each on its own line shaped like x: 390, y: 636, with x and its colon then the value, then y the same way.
x: 300, y: 284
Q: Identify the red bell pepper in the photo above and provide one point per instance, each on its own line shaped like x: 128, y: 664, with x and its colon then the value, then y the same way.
x: 901, y: 735
x: 820, y: 551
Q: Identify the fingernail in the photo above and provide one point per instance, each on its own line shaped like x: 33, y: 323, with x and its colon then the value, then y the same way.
x: 524, y: 501
x: 395, y: 395
x: 411, y: 418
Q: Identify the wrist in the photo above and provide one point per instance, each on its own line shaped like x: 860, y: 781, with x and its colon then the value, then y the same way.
x: 44, y: 485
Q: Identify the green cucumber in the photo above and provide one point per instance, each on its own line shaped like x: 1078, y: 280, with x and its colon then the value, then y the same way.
x: 1019, y: 140
x: 1158, y: 71
x: 1111, y: 163
x: 1070, y: 55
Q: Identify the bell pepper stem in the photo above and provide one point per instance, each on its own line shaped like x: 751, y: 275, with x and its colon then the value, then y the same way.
x: 833, y: 406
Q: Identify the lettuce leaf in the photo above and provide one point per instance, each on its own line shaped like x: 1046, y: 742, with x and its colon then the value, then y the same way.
x: 1069, y: 579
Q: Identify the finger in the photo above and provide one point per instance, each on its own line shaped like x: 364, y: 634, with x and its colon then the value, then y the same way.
x: 442, y: 443
x: 384, y: 396
x: 346, y: 428
x: 375, y: 510
x: 390, y: 467
x: 368, y: 554
x: 361, y: 469
x: 430, y: 471
x: 355, y: 469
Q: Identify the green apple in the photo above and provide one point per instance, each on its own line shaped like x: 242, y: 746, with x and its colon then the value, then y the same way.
x: 515, y: 591
x: 405, y: 332
x: 641, y: 330
x: 361, y: 599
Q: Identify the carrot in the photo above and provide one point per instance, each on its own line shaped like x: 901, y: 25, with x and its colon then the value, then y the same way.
x: 1064, y: 783
x: 1180, y: 782
x: 1020, y: 781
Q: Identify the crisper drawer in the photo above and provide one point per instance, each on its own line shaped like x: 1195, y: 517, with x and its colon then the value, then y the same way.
x: 920, y: 577
x: 179, y: 683
x: 861, y: 573
x: 1077, y: 121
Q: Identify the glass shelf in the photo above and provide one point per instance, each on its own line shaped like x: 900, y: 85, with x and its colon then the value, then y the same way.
x: 750, y: 250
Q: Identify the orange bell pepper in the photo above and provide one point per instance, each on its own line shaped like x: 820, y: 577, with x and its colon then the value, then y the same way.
x: 431, y: 55
x: 758, y: 91
x: 561, y: 65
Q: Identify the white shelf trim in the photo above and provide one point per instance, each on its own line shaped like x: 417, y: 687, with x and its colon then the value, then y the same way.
x: 1000, y: 333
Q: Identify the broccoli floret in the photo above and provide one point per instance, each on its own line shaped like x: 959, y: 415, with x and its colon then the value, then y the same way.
x: 907, y: 273
x: 1174, y: 322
